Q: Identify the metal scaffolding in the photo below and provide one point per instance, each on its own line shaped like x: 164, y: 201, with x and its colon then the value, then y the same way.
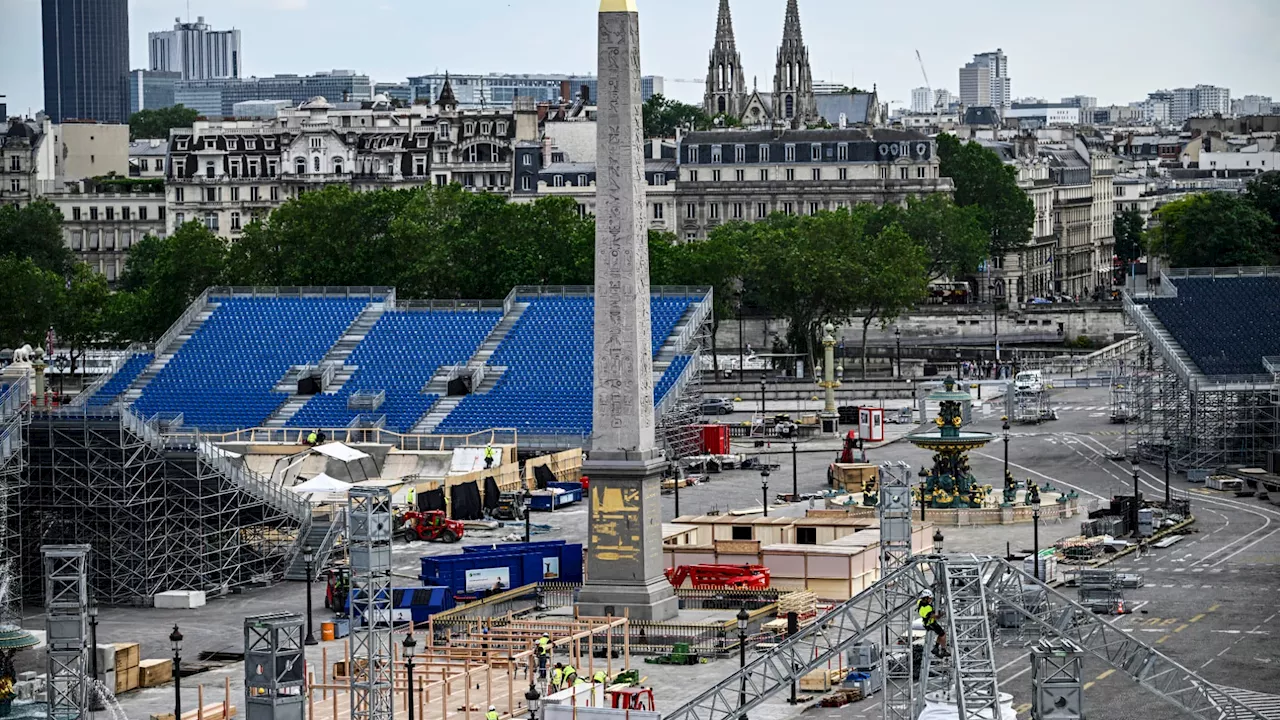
x: 680, y: 411
x: 1208, y: 420
x: 66, y: 603
x: 897, y: 660
x: 867, y: 613
x: 159, y: 514
x: 15, y: 413
x: 369, y: 545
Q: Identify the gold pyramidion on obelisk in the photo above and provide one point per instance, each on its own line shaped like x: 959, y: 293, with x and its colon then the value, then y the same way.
x: 624, y: 555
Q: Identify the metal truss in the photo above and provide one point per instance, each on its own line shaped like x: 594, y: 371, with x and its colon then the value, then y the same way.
x: 15, y: 413
x: 1057, y: 672
x: 972, y: 655
x: 369, y: 545
x: 863, y: 615
x: 900, y: 701
x: 681, y: 411
x: 274, y: 666
x: 1061, y: 617
x: 66, y: 602
x: 160, y: 515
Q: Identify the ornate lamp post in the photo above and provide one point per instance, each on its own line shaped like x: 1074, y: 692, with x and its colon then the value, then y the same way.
x: 175, y: 641
x: 1005, y: 430
x: 742, y: 656
x: 795, y: 474
x: 924, y: 477
x: 1137, y: 494
x: 764, y: 489
x: 897, y: 339
x: 309, y: 559
x: 527, y: 499
x: 409, y: 644
x: 1165, y: 445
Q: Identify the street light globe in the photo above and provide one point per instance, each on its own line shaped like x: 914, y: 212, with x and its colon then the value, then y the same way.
x: 743, y: 616
x: 828, y: 328
x: 175, y: 639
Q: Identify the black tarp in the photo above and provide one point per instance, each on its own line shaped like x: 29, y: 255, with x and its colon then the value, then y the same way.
x: 460, y: 386
x: 543, y: 475
x: 490, y: 494
x: 431, y: 500
x: 464, y: 499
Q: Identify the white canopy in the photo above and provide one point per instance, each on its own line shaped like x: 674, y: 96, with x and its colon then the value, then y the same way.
x: 322, y: 483
x: 340, y: 452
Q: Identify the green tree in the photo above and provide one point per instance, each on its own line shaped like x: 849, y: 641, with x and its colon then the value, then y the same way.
x: 662, y: 116
x: 952, y: 236
x: 1213, y: 230
x: 157, y: 123
x: 82, y: 313
x: 166, y: 274
x: 1264, y: 193
x: 35, y: 231
x: 717, y: 263
x: 982, y: 180
x: 1131, y: 235
x: 29, y: 296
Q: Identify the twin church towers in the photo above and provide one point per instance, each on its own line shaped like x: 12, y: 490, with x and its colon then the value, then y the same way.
x: 792, y: 101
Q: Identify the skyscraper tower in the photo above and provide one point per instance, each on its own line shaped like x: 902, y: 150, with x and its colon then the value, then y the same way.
x: 793, y: 99
x: 86, y: 60
x: 726, y: 90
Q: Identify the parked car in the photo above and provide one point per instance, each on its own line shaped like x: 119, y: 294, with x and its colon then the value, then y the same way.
x: 1029, y: 381
x: 717, y: 406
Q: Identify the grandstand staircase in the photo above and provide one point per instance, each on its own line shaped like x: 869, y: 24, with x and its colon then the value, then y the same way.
x: 166, y: 354
x: 1147, y: 320
x: 440, y: 383
x: 321, y: 537
x: 337, y: 356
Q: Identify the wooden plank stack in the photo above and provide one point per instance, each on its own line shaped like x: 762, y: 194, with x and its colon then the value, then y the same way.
x: 155, y: 672
x: 823, y: 680
x: 803, y: 603
x: 128, y: 676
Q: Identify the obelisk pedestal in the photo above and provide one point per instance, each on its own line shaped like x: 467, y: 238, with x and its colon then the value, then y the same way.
x: 624, y: 555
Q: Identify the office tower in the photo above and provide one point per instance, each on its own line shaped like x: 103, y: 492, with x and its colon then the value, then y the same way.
x: 86, y: 60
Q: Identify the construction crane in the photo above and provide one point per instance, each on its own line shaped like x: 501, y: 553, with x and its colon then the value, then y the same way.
x: 933, y: 98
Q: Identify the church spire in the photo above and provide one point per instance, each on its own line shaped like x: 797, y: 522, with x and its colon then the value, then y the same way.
x: 793, y: 98
x: 726, y: 91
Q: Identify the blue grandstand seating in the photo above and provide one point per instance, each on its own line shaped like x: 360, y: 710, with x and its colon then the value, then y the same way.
x: 222, y: 377
x: 121, y: 381
x: 669, y: 377
x: 400, y: 355
x: 546, y: 389
x: 1226, y: 325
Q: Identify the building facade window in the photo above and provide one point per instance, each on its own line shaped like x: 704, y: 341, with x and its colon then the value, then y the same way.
x: 789, y: 153
x: 691, y: 211
x: 713, y: 211
x: 75, y: 213
x: 791, y: 174
x: 764, y: 153
x: 657, y: 211
x: 692, y: 154
x: 789, y: 208
x: 815, y: 152
x: 525, y: 183
x: 737, y: 211
x: 844, y: 173
x: 817, y: 173
x: 660, y: 179
x: 762, y: 210
x: 739, y: 153
x: 235, y: 220
x: 93, y: 213
x: 142, y: 212
x: 764, y: 175
x: 582, y: 181
x: 716, y: 154
x: 739, y: 175
x: 813, y: 208
x: 715, y: 176
x: 557, y: 181
x: 842, y: 151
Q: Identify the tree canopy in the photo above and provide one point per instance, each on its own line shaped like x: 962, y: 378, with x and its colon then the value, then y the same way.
x: 146, y: 124
x: 1131, y: 235
x: 983, y: 181
x: 1214, y: 230
x: 662, y: 116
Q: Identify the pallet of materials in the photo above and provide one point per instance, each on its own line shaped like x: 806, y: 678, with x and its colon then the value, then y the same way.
x: 152, y: 673
x: 127, y: 658
x: 840, y: 698
x: 823, y: 680
x: 803, y: 603
x: 853, y: 477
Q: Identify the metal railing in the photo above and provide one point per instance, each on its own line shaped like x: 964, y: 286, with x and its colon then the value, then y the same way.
x: 373, y: 292
x: 297, y: 436
x: 473, y: 305
x: 114, y: 364
x: 14, y: 398
x: 1212, y: 272
x: 274, y: 494
x: 193, y: 310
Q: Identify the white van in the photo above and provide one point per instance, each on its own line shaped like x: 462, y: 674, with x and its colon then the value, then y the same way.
x: 1029, y: 381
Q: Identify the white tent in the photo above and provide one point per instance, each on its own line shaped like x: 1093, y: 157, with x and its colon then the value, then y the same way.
x: 322, y: 483
x: 340, y: 452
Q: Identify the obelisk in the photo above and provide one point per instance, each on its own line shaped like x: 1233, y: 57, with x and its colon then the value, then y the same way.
x: 624, y: 556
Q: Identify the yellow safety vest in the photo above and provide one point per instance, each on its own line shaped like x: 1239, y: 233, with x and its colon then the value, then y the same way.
x: 557, y: 676
x: 544, y: 646
x: 926, y: 610
x: 570, y: 670
x: 311, y: 438
x: 600, y: 676
x: 491, y: 715
x: 488, y: 453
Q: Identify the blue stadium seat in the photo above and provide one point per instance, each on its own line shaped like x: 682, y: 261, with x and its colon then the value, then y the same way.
x: 222, y: 377
x: 121, y: 381
x: 401, y: 353
x: 546, y: 389
x: 1226, y: 325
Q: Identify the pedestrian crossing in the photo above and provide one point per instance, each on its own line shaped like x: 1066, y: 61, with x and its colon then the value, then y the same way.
x: 1265, y: 704
x: 1083, y: 408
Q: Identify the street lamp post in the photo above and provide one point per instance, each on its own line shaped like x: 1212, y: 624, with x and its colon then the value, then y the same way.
x: 528, y: 505
x: 1165, y: 445
x: 762, y: 389
x: 175, y: 641
x: 938, y: 540
x: 675, y: 484
x: 95, y: 697
x: 309, y: 559
x: 531, y: 697
x: 764, y: 489
x: 742, y: 656
x: 1035, y: 541
x: 795, y: 474
x: 1005, y: 429
x: 1137, y: 495
x: 897, y: 339
x: 995, y: 320
x: 924, y: 474
x: 409, y: 644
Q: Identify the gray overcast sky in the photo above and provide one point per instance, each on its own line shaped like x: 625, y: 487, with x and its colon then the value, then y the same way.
x: 1116, y: 50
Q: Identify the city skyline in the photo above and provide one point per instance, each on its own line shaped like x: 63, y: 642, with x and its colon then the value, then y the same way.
x: 1231, y: 48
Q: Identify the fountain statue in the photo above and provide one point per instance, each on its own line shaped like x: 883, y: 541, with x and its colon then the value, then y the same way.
x: 950, y: 483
